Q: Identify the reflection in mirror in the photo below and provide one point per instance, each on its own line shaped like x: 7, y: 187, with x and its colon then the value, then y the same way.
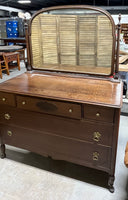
x: 72, y: 40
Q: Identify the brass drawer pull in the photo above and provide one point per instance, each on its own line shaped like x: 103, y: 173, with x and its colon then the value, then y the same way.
x: 7, y: 116
x: 97, y: 114
x: 95, y: 156
x: 23, y: 102
x: 96, y: 136
x: 9, y: 133
x: 70, y: 110
x: 3, y: 99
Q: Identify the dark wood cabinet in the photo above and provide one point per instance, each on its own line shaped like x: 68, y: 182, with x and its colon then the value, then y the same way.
x: 68, y: 115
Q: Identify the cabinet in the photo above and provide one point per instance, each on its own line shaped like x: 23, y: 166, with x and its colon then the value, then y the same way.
x: 65, y: 111
x: 124, y: 30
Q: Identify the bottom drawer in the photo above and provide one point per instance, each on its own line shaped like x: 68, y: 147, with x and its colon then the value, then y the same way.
x: 58, y: 147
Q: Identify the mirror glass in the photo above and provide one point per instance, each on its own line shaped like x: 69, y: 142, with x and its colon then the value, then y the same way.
x: 72, y: 40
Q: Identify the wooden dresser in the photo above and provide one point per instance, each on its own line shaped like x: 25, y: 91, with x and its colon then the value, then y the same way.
x: 68, y: 116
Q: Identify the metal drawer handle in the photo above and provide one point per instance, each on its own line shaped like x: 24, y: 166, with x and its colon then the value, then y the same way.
x: 3, y: 99
x: 7, y: 116
x: 96, y: 136
x: 97, y: 114
x: 9, y: 133
x: 23, y: 102
x: 95, y: 156
x: 70, y: 110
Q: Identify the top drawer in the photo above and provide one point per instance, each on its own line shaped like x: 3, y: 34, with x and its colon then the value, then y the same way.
x: 99, y: 113
x: 7, y: 99
x: 72, y: 110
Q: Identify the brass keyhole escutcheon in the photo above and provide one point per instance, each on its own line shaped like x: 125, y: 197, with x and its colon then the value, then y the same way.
x: 96, y: 136
x: 9, y: 133
x: 95, y: 156
x: 3, y: 99
x: 70, y: 110
x: 7, y: 116
x: 97, y: 114
x: 23, y: 102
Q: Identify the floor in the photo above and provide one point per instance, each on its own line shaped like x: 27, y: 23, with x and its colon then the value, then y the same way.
x: 28, y: 176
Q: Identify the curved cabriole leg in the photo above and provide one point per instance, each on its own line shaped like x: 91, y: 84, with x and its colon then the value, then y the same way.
x: 110, y: 183
x: 3, y: 155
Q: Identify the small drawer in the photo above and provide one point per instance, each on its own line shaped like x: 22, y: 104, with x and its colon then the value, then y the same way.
x: 99, y: 113
x: 7, y: 99
x: 72, y: 110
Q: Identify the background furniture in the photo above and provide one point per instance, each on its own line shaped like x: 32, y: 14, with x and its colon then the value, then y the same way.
x: 3, y: 67
x: 126, y: 155
x: 68, y: 106
x: 8, y: 58
x: 11, y: 48
x: 12, y: 28
x: 21, y: 40
x: 124, y: 30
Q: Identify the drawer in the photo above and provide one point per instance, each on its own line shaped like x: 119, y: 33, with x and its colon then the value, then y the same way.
x: 93, y: 132
x: 65, y: 109
x: 7, y: 99
x: 98, y: 113
x: 58, y: 147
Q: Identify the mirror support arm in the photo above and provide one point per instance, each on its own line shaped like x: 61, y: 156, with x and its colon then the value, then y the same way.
x: 117, y: 48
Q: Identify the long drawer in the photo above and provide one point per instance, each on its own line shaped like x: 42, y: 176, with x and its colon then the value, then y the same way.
x: 67, y: 109
x: 94, y: 132
x: 58, y: 147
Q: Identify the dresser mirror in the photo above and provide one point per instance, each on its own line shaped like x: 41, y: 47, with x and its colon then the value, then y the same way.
x: 73, y: 40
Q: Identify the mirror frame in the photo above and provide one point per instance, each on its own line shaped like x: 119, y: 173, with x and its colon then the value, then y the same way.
x: 74, y: 7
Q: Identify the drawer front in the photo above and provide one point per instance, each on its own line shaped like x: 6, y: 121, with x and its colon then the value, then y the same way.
x: 65, y: 109
x: 99, y: 113
x: 94, y: 132
x: 7, y: 99
x: 58, y: 147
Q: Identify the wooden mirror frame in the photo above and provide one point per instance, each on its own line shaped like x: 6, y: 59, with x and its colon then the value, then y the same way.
x: 113, y: 60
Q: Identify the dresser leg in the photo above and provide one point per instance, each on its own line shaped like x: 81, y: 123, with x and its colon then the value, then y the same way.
x: 3, y: 155
x: 110, y: 183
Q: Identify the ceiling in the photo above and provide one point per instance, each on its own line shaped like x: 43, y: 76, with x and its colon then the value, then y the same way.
x: 38, y: 4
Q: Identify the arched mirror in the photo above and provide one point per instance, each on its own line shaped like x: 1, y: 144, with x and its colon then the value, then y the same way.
x: 73, y: 39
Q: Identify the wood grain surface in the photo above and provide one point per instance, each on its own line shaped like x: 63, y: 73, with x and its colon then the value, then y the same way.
x: 85, y: 90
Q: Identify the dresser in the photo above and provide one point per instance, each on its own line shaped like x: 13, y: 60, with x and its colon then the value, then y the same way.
x: 67, y: 111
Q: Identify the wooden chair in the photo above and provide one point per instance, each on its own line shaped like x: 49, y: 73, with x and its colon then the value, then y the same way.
x: 21, y: 54
x: 126, y: 156
x: 3, y: 67
x: 7, y: 58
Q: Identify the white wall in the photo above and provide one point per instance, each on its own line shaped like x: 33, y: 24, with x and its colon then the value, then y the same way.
x: 124, y: 19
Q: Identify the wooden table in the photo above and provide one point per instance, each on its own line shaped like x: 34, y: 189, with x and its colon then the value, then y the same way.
x: 10, y: 48
x: 14, y: 40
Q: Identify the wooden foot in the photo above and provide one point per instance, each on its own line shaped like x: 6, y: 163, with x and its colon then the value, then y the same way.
x: 3, y: 155
x: 110, y: 183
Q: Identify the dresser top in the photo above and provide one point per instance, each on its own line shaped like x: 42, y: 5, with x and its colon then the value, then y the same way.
x: 81, y: 90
